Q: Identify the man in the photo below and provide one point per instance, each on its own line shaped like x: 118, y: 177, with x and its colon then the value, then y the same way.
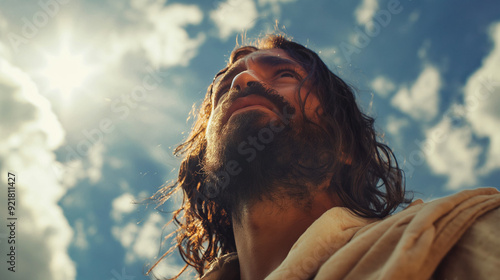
x: 283, y: 177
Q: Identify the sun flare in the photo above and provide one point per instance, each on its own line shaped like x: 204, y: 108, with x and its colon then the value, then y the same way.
x: 66, y: 71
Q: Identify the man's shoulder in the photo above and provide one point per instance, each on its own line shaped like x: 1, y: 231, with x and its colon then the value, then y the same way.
x: 416, y: 240
x: 477, y: 253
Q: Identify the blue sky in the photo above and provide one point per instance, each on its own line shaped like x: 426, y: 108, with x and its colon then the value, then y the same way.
x: 94, y: 95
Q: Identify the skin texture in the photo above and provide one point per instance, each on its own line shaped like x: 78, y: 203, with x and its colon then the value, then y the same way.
x: 266, y: 230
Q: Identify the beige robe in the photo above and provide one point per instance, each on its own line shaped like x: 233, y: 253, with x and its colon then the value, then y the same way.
x: 455, y: 237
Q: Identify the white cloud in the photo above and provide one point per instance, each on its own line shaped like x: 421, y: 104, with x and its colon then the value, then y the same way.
x: 24, y: 110
x: 164, y: 156
x: 482, y: 101
x: 30, y: 133
x: 115, y: 162
x: 121, y: 205
x: 3, y: 22
x: 142, y: 243
x: 331, y: 56
x: 77, y: 168
x: 414, y: 16
x: 80, y: 238
x: 4, y: 29
x: 96, y: 160
x: 234, y: 16
x: 273, y: 5
x: 424, y: 49
x: 383, y: 86
x: 394, y: 125
x: 450, y: 151
x: 365, y: 11
x: 421, y: 100
x: 168, y: 268
x: 147, y: 241
x: 156, y: 30
x: 170, y: 44
x: 125, y: 234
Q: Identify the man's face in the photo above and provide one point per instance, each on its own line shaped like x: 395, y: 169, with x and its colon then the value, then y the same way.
x: 273, y: 69
x: 256, y: 129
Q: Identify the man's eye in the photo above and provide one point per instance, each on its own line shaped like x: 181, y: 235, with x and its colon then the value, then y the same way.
x: 286, y: 74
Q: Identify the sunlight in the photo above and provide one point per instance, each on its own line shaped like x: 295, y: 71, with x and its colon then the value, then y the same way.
x: 66, y: 71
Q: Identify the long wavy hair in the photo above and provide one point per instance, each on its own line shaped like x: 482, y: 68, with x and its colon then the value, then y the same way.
x: 366, y: 175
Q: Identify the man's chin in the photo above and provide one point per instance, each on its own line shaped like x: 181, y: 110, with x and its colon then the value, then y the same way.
x: 258, y: 114
x: 246, y: 123
x: 224, y: 140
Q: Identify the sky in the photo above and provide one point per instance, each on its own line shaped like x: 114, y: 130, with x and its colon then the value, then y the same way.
x: 94, y: 97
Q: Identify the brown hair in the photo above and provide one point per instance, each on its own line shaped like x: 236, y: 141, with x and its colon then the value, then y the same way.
x: 366, y: 175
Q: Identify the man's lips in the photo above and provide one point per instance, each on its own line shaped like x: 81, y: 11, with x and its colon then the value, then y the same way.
x: 247, y: 101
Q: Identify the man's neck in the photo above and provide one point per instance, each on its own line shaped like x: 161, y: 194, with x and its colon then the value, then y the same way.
x: 267, y: 232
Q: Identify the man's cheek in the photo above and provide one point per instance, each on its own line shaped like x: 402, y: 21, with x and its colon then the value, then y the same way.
x: 212, y: 120
x: 210, y: 129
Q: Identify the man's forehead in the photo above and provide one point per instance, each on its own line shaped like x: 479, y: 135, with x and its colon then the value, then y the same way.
x: 269, y: 52
x: 268, y: 56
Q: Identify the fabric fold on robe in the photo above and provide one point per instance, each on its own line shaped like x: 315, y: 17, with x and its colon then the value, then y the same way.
x: 407, y: 245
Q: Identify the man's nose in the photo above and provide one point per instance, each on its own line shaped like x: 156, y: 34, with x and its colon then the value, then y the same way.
x: 244, y: 79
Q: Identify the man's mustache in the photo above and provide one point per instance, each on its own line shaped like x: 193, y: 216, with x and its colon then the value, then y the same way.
x: 256, y: 88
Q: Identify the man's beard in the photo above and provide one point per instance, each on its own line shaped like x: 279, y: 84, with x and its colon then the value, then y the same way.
x: 255, y: 156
